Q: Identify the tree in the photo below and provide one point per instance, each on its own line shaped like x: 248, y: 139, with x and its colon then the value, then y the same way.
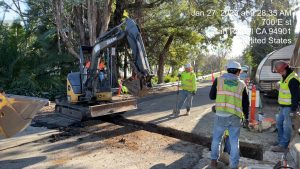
x: 174, y: 21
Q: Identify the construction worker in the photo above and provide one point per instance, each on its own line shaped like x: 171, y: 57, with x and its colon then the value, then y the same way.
x: 288, y: 98
x: 85, y: 70
x: 232, y: 106
x: 123, y: 88
x: 101, y: 65
x: 188, y: 85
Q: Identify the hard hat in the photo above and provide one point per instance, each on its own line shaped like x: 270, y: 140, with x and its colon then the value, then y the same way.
x: 188, y: 65
x: 233, y: 65
x: 280, y: 66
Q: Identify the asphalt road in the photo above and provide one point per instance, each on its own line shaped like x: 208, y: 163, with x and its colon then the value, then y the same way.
x: 102, y: 145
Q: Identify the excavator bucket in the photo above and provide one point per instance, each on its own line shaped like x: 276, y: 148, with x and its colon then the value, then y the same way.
x: 16, y: 113
x: 136, y: 88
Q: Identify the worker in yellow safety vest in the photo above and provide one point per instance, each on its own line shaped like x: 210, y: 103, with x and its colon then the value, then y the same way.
x: 123, y: 88
x: 288, y: 98
x: 189, y: 88
x: 232, y: 107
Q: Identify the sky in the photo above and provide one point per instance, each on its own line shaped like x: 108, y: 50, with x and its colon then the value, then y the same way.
x: 240, y: 41
x: 11, y: 15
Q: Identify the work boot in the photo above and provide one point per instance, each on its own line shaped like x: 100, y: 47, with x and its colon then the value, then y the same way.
x: 224, y: 158
x: 275, y: 143
x: 278, y: 148
x: 188, y: 110
x: 214, y: 164
x: 176, y: 112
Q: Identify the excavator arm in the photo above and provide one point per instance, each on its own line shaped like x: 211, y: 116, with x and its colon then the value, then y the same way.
x: 139, y: 60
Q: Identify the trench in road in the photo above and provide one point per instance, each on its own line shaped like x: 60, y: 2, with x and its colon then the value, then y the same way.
x: 253, y: 151
x: 248, y: 150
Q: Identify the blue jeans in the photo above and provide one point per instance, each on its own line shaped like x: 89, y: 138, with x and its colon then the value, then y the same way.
x: 284, y: 126
x: 233, y: 124
x: 184, y: 96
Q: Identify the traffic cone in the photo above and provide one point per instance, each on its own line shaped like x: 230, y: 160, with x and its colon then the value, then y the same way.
x: 253, y: 106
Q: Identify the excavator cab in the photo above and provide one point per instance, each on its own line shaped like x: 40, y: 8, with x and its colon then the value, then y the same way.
x: 79, y: 84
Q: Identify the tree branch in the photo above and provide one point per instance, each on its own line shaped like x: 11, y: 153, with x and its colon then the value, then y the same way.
x: 150, y: 5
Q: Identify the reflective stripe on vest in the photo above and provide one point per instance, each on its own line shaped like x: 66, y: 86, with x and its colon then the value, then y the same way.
x: 285, y: 97
x: 188, y: 81
x: 229, y: 96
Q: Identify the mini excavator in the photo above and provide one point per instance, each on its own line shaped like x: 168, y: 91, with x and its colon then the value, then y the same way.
x: 89, y: 91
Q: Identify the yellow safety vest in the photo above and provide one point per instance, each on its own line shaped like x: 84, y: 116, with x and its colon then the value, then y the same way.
x: 188, y: 81
x: 285, y: 97
x: 229, y: 96
x: 124, y: 88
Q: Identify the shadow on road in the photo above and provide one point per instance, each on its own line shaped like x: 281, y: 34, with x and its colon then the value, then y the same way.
x: 107, y: 132
x: 21, y: 163
x: 159, y: 109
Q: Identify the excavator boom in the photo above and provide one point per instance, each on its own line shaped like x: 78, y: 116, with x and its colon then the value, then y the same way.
x: 138, y: 60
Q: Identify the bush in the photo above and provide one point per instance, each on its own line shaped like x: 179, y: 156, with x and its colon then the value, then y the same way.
x: 169, y: 79
x: 199, y: 74
x: 154, y: 80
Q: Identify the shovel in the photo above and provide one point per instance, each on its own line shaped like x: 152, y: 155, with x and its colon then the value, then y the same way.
x: 177, y: 97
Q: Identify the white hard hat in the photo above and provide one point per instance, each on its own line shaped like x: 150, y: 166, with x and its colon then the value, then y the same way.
x: 233, y: 64
x: 188, y: 65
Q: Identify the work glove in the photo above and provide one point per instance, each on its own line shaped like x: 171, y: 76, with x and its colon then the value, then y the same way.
x: 213, y: 108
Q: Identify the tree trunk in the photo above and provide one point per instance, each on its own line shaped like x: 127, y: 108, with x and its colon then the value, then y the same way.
x: 104, y: 16
x: 138, y: 12
x: 58, y: 5
x: 92, y: 20
x: 161, y: 59
x: 79, y: 19
x: 125, y: 66
x: 118, y: 14
x: 115, y: 69
x: 196, y: 66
